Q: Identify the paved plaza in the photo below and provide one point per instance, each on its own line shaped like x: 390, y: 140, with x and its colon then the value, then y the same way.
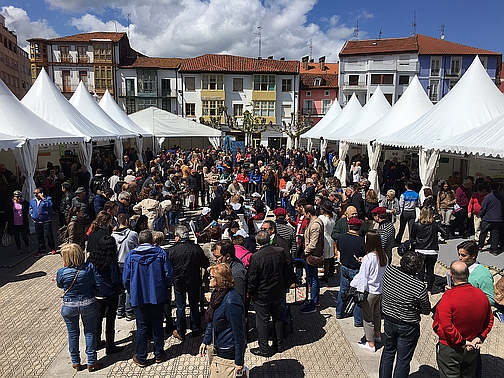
x: 33, y: 337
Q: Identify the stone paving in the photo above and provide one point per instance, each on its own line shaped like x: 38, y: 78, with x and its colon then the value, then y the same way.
x: 33, y: 338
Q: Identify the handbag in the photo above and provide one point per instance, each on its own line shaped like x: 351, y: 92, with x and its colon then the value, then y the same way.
x: 6, y: 238
x: 317, y: 261
x: 457, y: 208
x: 360, y: 297
x: 349, y: 301
x: 407, y: 246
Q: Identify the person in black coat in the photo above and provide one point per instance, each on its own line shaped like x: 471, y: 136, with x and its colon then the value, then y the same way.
x: 99, y: 228
x: 17, y: 218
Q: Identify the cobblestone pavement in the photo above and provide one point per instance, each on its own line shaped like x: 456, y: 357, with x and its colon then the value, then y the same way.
x: 33, y: 338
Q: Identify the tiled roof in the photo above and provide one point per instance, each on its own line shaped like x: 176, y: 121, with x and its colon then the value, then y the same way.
x: 419, y: 43
x: 147, y: 62
x: 307, y: 80
x: 238, y: 64
x: 87, y: 37
x: 329, y: 68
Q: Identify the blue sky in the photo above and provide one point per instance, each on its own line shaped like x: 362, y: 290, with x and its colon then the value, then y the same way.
x: 193, y: 27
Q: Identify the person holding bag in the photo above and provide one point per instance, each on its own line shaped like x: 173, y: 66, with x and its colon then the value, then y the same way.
x: 225, y: 328
x: 369, y: 281
x: 80, y: 281
x: 17, y: 221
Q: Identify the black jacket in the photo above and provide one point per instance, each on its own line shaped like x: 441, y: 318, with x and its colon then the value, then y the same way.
x: 357, y: 201
x: 425, y: 236
x: 265, y: 275
x: 187, y: 260
x: 66, y: 203
x: 94, y: 237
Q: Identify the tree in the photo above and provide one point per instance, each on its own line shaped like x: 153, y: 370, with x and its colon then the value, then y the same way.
x: 297, y: 126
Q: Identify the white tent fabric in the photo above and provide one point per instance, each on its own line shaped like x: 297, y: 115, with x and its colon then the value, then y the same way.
x: 486, y: 140
x: 374, y: 151
x: 19, y: 121
x: 413, y: 103
x: 474, y: 101
x: 168, y: 125
x: 9, y: 142
x: 87, y: 106
x: 376, y: 108
x: 45, y: 100
x: 341, y: 171
x: 427, y: 164
x: 108, y: 104
x: 332, y: 113
x: 352, y: 108
x: 26, y: 156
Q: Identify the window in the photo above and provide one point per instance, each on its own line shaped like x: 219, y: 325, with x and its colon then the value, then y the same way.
x: 326, y: 105
x: 145, y: 103
x: 65, y: 55
x: 65, y: 77
x: 211, y: 107
x: 130, y: 87
x: 212, y: 82
x: 317, y: 82
x: 353, y: 79
x: 327, y: 93
x: 484, y: 61
x: 382, y: 79
x: 81, y: 54
x: 264, y: 82
x: 286, y: 111
x: 103, y: 78
x: 308, y: 93
x: 237, y: 110
x: 435, y: 66
x: 237, y: 84
x: 286, y: 85
x: 190, y: 109
x: 264, y: 108
x: 166, y: 104
x: 190, y: 84
x: 147, y: 81
x: 434, y: 90
x: 165, y: 87
x: 388, y: 96
x: 130, y: 105
x: 83, y: 77
x: 308, y: 107
x: 403, y: 80
x: 455, y: 65
x: 102, y: 52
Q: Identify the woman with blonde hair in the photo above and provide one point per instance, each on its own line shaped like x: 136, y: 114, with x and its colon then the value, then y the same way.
x: 424, y: 237
x: 225, y: 327
x: 81, y: 282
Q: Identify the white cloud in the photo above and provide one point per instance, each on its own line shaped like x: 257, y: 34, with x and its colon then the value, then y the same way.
x: 186, y: 28
x: 17, y: 19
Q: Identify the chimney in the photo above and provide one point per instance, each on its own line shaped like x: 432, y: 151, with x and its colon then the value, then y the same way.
x: 322, y: 63
x: 312, y: 61
x: 270, y: 57
x: 304, y: 59
x: 282, y: 58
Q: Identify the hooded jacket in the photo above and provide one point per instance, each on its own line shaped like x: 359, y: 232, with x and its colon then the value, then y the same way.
x: 147, y: 275
x: 126, y: 239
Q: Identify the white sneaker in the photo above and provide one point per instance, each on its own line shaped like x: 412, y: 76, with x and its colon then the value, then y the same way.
x: 367, y: 347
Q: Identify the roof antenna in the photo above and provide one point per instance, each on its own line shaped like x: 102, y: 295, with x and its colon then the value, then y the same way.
x: 129, y: 21
x: 356, y: 30
x: 379, y: 34
x: 414, y: 24
x: 441, y: 29
x: 311, y: 49
x: 259, y: 36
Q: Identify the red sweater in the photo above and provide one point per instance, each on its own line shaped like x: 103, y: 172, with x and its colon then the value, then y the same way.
x: 475, y: 203
x: 463, y: 313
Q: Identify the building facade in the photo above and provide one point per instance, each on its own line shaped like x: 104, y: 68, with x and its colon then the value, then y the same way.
x: 14, y: 62
x: 391, y: 63
x: 93, y: 58
x: 318, y: 87
x: 265, y: 88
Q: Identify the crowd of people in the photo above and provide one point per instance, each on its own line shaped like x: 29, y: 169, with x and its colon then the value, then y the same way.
x: 265, y: 215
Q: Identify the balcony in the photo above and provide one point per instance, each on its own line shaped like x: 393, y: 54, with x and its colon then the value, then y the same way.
x: 452, y: 73
x: 313, y: 112
x: 71, y: 88
x: 361, y: 85
x: 66, y: 59
x: 435, y: 71
x: 83, y: 59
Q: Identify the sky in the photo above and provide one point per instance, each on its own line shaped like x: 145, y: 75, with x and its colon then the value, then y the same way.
x: 188, y: 28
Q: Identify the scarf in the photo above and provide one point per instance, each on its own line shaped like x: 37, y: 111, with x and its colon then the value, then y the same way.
x: 215, y: 302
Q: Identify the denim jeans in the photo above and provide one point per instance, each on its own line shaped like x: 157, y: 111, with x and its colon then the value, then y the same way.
x: 314, y: 285
x: 87, y: 308
x: 123, y: 305
x: 149, y: 318
x: 400, y: 339
x: 173, y: 218
x: 44, y: 229
x: 180, y: 302
x: 346, y: 276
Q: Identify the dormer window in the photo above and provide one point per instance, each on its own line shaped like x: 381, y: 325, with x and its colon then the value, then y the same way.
x: 317, y: 82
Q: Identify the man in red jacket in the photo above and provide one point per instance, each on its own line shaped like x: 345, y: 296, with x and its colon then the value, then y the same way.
x: 461, y: 325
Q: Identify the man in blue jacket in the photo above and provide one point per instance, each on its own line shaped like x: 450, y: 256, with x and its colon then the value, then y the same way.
x: 41, y: 213
x: 147, y: 276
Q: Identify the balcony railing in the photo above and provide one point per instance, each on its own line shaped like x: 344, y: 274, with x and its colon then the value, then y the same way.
x: 66, y: 59
x: 72, y: 88
x: 313, y: 112
x: 452, y: 73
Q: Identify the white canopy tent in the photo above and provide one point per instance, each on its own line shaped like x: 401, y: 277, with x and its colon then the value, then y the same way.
x: 20, y: 123
x: 375, y: 108
x: 412, y: 104
x: 164, y: 124
x: 9, y: 142
x: 317, y: 130
x: 45, y: 100
x: 89, y: 108
x: 108, y: 104
x: 473, y: 101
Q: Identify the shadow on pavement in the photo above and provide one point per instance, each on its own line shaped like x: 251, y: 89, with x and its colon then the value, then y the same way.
x: 425, y: 371
x: 281, y: 368
x: 28, y: 276
x: 491, y: 364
